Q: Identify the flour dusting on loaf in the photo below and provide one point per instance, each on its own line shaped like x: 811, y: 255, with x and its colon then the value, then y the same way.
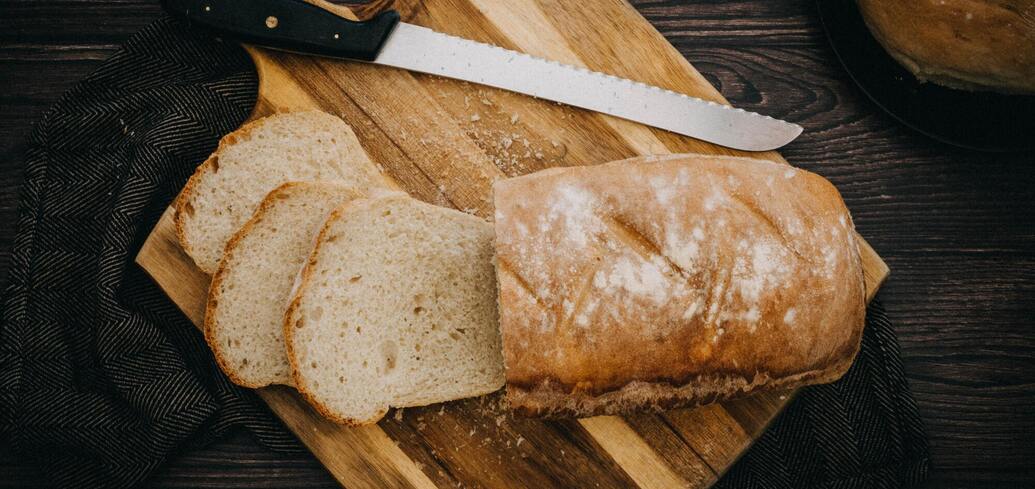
x: 672, y: 281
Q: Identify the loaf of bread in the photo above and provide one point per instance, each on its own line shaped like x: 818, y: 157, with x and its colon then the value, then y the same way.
x: 251, y: 289
x: 396, y: 308
x: 255, y: 159
x: 964, y: 44
x: 659, y: 282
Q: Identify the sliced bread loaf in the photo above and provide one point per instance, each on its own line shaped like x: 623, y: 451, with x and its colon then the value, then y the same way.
x: 397, y: 307
x: 226, y: 189
x: 251, y: 289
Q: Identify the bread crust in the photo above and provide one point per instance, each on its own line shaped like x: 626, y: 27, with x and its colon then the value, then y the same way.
x: 181, y: 206
x: 551, y: 401
x: 211, y: 325
x: 649, y: 298
x: 963, y: 44
x: 292, y: 321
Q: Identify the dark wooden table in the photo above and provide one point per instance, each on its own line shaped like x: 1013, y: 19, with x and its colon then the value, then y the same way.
x: 956, y: 227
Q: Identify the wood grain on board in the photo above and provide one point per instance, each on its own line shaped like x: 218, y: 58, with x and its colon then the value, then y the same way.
x: 445, y: 142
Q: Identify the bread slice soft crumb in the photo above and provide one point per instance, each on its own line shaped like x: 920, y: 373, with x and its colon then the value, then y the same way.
x: 397, y: 308
x: 252, y: 286
x: 226, y: 189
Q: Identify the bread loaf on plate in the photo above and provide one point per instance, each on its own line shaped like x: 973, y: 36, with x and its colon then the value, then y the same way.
x: 396, y: 308
x: 255, y: 159
x: 659, y: 282
x: 964, y: 44
x: 251, y: 289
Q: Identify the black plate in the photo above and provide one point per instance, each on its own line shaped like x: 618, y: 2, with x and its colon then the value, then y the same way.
x: 983, y: 121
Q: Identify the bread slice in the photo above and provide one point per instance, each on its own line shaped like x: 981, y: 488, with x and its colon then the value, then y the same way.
x: 396, y: 308
x: 251, y: 289
x: 226, y: 189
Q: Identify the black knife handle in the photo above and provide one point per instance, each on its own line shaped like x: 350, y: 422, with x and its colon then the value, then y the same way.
x: 291, y: 25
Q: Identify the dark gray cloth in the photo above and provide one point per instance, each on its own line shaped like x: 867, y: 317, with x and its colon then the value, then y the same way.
x: 102, y: 378
x: 862, y: 431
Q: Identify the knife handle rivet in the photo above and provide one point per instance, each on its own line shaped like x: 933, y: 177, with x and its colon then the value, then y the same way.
x: 337, y: 36
x: 272, y: 22
x: 208, y: 8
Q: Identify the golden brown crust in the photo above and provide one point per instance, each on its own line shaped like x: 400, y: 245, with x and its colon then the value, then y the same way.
x: 291, y: 322
x: 659, y: 282
x: 211, y: 326
x: 549, y: 401
x: 965, y: 44
x: 183, y: 201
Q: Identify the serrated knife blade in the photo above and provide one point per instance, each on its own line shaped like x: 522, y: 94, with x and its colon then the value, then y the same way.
x: 302, y: 26
x: 424, y: 50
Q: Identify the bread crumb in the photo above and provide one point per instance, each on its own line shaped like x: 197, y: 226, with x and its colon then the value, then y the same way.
x: 399, y: 414
x: 514, y: 118
x: 475, y: 117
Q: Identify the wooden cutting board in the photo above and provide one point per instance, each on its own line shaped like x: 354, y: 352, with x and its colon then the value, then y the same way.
x: 445, y: 142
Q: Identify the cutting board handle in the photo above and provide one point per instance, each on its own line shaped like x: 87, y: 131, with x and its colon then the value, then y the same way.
x: 290, y: 25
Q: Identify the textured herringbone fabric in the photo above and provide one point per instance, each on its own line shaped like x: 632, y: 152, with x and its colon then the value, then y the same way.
x: 102, y: 378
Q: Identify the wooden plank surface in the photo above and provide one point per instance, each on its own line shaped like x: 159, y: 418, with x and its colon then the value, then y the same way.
x: 954, y: 225
x: 445, y: 142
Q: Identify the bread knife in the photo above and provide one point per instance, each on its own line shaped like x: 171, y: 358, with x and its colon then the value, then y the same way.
x: 298, y: 26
